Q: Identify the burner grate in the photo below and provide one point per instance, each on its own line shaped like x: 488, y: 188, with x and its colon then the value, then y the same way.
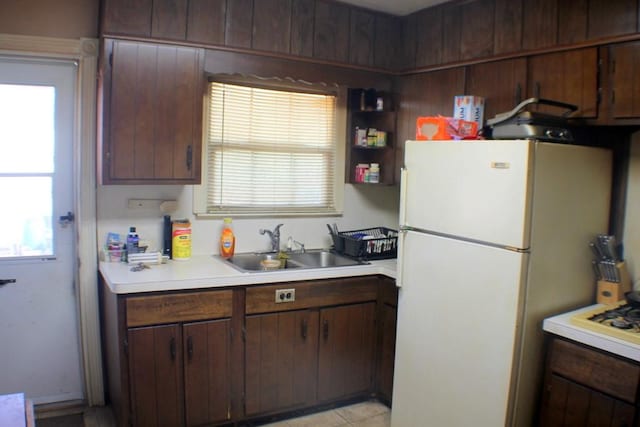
x: 621, y: 321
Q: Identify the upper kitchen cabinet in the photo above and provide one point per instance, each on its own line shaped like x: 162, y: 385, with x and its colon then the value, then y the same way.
x: 152, y: 113
x: 570, y: 77
x: 162, y: 19
x: 624, y: 97
x: 481, y: 81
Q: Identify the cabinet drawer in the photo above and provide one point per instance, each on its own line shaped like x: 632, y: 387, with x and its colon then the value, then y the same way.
x: 261, y: 299
x: 184, y: 307
x: 596, y: 370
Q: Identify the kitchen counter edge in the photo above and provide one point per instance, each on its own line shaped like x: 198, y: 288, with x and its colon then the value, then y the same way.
x: 209, y: 271
x: 561, y: 325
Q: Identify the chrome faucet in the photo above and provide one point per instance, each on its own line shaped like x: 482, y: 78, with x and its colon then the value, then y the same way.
x: 274, y: 236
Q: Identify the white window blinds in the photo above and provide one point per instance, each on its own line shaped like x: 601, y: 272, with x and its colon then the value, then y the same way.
x: 270, y: 151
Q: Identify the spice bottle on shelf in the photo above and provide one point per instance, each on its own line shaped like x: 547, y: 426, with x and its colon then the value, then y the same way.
x: 374, y: 173
x: 227, y: 239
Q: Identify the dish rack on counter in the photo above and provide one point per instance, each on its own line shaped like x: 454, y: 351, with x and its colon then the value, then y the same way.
x: 370, y: 243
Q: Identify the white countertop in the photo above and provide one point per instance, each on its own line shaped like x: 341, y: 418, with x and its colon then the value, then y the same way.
x: 208, y: 271
x: 561, y: 325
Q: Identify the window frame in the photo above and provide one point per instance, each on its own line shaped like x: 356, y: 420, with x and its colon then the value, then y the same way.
x: 340, y: 92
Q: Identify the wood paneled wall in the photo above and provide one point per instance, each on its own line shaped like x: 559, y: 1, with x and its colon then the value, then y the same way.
x: 319, y: 29
x: 465, y: 30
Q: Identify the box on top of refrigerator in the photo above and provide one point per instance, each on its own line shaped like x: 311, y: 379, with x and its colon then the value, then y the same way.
x: 470, y: 108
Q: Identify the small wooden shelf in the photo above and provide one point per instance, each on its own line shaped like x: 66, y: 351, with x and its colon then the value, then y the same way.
x: 370, y: 118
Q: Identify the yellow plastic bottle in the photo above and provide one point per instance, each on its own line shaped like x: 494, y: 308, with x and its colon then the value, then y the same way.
x: 227, y: 240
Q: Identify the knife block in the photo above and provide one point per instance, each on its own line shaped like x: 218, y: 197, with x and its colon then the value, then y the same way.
x: 610, y: 293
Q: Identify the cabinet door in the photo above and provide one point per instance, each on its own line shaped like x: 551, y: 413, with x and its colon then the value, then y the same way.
x: 345, y: 357
x: 155, y: 361
x: 280, y: 362
x: 386, y: 356
x: 625, y: 67
x: 207, y: 382
x: 153, y: 127
x: 568, y: 404
x: 512, y: 77
x: 570, y: 77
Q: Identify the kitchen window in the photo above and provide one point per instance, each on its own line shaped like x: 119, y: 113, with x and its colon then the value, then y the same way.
x: 272, y: 150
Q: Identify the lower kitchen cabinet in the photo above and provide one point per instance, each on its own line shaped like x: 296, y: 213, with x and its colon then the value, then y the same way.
x: 220, y: 356
x: 168, y: 357
x: 281, y: 354
x: 207, y: 372
x: 588, y: 387
x: 155, y: 371
x: 345, y: 355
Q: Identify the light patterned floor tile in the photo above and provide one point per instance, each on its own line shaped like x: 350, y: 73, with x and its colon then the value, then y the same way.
x: 324, y: 419
x: 382, y: 420
x: 361, y: 411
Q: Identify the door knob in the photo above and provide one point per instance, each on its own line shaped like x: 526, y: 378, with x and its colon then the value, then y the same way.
x: 66, y: 219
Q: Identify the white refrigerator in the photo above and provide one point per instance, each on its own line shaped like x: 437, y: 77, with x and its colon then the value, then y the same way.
x: 494, y: 238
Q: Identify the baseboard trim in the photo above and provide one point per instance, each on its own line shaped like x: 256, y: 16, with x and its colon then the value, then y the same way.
x: 59, y: 409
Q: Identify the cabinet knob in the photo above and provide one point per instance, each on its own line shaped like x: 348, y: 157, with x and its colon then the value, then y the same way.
x: 304, y: 328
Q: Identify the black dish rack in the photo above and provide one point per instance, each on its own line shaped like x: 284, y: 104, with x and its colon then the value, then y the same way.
x: 370, y: 243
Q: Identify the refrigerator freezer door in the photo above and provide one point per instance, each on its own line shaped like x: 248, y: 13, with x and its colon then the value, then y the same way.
x: 479, y: 190
x: 458, y: 319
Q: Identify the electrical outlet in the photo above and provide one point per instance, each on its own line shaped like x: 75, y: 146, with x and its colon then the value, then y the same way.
x: 285, y: 295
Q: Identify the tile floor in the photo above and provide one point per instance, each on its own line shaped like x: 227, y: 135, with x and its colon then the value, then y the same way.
x: 365, y: 414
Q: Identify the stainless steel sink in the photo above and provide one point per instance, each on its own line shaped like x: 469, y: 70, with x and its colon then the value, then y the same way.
x: 259, y: 262
x: 322, y: 259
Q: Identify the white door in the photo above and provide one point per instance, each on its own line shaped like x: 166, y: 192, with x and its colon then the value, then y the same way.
x: 40, y: 351
x: 458, y: 322
x: 479, y: 190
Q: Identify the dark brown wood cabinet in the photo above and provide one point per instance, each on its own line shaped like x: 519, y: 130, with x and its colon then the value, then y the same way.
x: 155, y: 362
x: 152, y: 113
x: 588, y: 387
x: 207, y: 372
x: 281, y: 355
x: 570, y: 77
x: 220, y: 356
x: 345, y: 357
x: 481, y: 81
x: 624, y: 67
x: 387, y: 317
x: 168, y: 357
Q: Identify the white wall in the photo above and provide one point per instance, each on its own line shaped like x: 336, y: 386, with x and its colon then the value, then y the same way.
x: 632, y: 219
x: 364, y: 207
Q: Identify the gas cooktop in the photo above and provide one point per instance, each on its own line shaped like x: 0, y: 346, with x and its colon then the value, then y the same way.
x: 621, y: 321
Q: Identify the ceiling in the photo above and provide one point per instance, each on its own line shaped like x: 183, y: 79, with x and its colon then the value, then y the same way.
x: 395, y: 7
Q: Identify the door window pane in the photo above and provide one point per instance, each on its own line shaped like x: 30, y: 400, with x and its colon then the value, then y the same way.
x: 27, y: 145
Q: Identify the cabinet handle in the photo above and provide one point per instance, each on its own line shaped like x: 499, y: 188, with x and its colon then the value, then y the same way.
x: 303, y: 329
x: 189, y: 157
x: 172, y: 348
x: 325, y: 329
x: 536, y: 90
x: 190, y: 348
x: 518, y: 94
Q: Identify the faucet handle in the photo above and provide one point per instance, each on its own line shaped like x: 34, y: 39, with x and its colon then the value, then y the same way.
x: 277, y: 229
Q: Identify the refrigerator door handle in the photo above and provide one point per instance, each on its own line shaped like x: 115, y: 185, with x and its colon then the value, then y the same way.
x: 401, y: 236
x: 403, y: 196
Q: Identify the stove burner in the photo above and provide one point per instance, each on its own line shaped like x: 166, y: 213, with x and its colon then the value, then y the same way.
x: 621, y: 323
x: 623, y: 317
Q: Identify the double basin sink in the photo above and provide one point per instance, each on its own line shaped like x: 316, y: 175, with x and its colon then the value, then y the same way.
x: 260, y: 262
